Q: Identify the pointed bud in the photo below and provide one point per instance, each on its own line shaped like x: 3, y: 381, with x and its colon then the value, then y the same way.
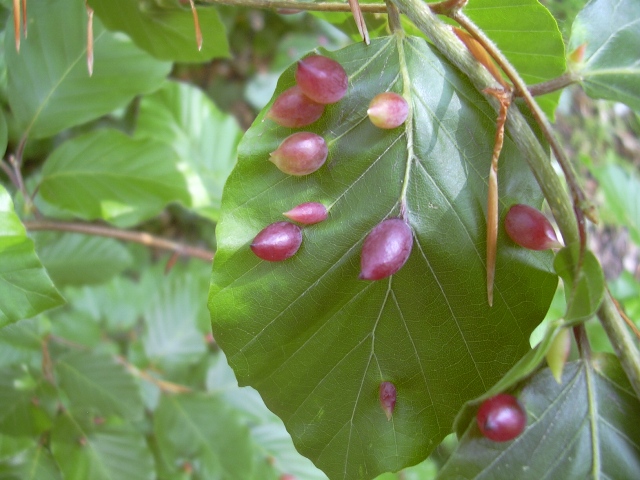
x: 530, y: 229
x: 558, y: 353
x: 307, y: 213
x: 294, y: 109
x: 300, y: 154
x: 388, y: 398
x: 322, y: 79
x: 277, y: 242
x: 388, y: 110
x: 386, y: 249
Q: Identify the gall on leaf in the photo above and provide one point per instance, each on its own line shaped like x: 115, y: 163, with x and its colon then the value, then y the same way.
x: 530, y: 229
x: 501, y: 418
x: 294, y: 109
x: 277, y: 242
x: 388, y: 110
x: 307, y: 213
x: 386, y: 249
x: 388, y: 396
x: 300, y: 154
x: 322, y: 79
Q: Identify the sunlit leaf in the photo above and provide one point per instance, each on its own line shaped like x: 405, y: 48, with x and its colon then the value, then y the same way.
x: 111, y: 451
x: 579, y: 429
x: 105, y: 174
x: 313, y: 339
x: 204, y: 137
x: 96, y: 385
x: 49, y: 86
x: 611, y: 64
x: 25, y: 287
x: 167, y: 32
x: 528, y: 35
x: 76, y: 259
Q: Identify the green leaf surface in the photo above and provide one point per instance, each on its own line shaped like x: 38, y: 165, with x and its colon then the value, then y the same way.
x: 584, y: 291
x: 579, y: 429
x: 621, y: 190
x: 20, y: 415
x: 36, y: 463
x: 528, y: 35
x: 204, y: 137
x: 25, y: 287
x: 611, y: 64
x: 97, y: 385
x: 166, y: 32
x: 171, y: 334
x: 76, y: 259
x: 107, y: 175
x: 313, y: 339
x: 21, y: 342
x: 203, y: 431
x: 49, y: 85
x: 108, y: 452
x: 4, y: 134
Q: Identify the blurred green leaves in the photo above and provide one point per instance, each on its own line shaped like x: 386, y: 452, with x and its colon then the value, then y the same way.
x: 610, y: 69
x: 25, y: 287
x: 49, y: 84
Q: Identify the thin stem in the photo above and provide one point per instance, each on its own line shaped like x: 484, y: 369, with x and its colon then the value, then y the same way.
x: 621, y: 340
x: 393, y: 17
x: 163, y: 385
x: 126, y: 235
x: 6, y: 168
x: 579, y: 198
x: 297, y: 5
x: 519, y: 130
x: 553, y: 85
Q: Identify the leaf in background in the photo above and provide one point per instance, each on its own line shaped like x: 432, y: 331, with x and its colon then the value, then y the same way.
x: 25, y: 287
x: 21, y: 342
x: 584, y: 293
x: 204, y: 431
x: 96, y: 385
x: 76, y: 259
x: 272, y: 445
x: 313, y: 339
x: 626, y: 289
x: 528, y: 35
x: 204, y: 137
x: 36, y: 463
x: 580, y: 429
x: 621, y: 190
x: 106, y: 452
x: 171, y: 323
x: 107, y: 175
x: 21, y: 413
x: 49, y: 85
x: 166, y: 33
x: 611, y: 64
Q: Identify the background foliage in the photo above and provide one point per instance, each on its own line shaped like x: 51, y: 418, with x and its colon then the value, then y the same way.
x: 108, y: 368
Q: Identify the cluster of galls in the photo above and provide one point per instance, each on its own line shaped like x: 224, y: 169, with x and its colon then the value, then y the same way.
x: 321, y: 81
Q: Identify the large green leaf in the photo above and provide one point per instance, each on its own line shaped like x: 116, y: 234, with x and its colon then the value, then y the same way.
x: 49, y: 85
x: 204, y: 137
x: 20, y: 415
x: 112, y: 451
x: 313, y: 339
x: 25, y: 287
x: 107, y: 175
x: 579, y: 429
x: 36, y: 463
x: 98, y: 386
x: 204, y: 431
x: 167, y: 32
x: 611, y: 31
x: 528, y: 35
x: 21, y: 342
x: 73, y: 258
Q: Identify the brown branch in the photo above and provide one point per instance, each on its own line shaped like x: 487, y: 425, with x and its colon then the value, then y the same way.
x: 126, y: 235
x: 163, y: 385
x: 553, y: 85
x: 296, y: 5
